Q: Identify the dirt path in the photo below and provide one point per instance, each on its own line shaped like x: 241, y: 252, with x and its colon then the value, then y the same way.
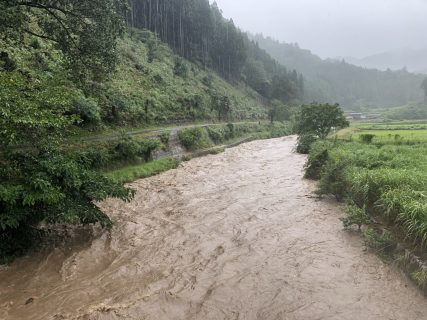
x: 231, y: 236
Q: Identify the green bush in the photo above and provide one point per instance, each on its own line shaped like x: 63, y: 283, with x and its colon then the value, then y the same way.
x: 95, y: 158
x: 355, y: 216
x: 147, y: 147
x: 420, y: 278
x: 49, y: 187
x: 218, y: 134
x: 316, y: 160
x: 367, y: 138
x: 87, y: 109
x: 334, y: 179
x: 381, y: 242
x: 194, y: 138
x: 304, y: 143
x: 129, y: 149
x: 126, y: 148
x: 180, y: 69
x: 165, y: 137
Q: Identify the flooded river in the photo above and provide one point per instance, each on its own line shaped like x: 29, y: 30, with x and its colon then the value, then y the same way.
x: 232, y: 236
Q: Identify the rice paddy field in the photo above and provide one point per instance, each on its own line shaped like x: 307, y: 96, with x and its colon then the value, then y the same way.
x: 393, y: 132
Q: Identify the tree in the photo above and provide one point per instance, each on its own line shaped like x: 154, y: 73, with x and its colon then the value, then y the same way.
x: 222, y: 105
x: 278, y: 111
x: 424, y: 87
x: 85, y: 31
x: 40, y: 180
x: 320, y: 119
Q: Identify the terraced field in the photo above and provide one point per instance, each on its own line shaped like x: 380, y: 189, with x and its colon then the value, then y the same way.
x: 400, y: 133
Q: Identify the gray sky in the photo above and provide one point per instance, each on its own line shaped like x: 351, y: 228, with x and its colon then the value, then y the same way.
x: 332, y: 28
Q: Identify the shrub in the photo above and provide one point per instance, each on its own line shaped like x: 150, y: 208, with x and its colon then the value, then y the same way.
x: 127, y: 148
x: 218, y: 134
x: 54, y: 188
x: 180, y: 69
x: 420, y: 278
x: 367, y: 138
x: 147, y: 147
x: 304, y: 143
x: 317, y: 158
x: 165, y: 137
x: 381, y: 242
x: 95, y: 158
x: 194, y: 138
x: 207, y: 80
x: 333, y: 179
x: 355, y: 216
x: 87, y: 109
x: 231, y: 130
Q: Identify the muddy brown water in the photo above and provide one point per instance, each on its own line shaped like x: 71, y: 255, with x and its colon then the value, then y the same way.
x: 232, y: 236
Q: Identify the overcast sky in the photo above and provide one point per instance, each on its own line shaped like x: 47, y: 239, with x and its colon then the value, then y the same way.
x: 333, y: 28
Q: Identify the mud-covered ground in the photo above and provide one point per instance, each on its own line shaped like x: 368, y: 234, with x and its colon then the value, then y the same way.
x: 232, y: 236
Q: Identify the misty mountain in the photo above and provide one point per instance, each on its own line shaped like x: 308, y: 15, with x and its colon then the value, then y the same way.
x: 332, y: 80
x: 413, y: 60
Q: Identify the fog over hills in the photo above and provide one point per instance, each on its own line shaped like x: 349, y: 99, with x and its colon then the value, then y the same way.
x: 339, y: 81
x: 414, y: 60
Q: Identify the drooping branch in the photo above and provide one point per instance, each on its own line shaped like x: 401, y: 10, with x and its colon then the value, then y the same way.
x: 37, y: 4
x: 39, y: 35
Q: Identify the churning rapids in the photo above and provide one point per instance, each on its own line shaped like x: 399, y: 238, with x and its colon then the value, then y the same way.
x: 232, y: 236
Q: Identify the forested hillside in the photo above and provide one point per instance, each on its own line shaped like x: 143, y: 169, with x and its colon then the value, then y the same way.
x: 197, y: 31
x: 337, y: 81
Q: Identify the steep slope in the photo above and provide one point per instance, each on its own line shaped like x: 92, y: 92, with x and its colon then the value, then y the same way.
x: 196, y: 30
x: 157, y: 86
x: 338, y: 81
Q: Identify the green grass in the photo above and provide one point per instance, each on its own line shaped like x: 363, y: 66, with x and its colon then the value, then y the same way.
x: 390, y: 181
x: 198, y: 142
x: 145, y: 170
x: 386, y: 133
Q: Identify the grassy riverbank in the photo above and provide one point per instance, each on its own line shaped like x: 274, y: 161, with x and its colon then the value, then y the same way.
x: 385, y: 186
x: 196, y: 140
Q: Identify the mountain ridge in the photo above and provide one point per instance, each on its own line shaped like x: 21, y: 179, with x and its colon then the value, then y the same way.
x: 332, y: 80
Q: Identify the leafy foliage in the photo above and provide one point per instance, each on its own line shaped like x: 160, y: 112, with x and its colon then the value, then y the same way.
x: 367, y: 138
x: 279, y: 111
x: 85, y: 31
x: 318, y: 156
x: 304, y: 143
x: 39, y: 180
x: 194, y: 138
x: 355, y: 216
x: 128, y: 149
x: 320, y: 119
x: 381, y: 242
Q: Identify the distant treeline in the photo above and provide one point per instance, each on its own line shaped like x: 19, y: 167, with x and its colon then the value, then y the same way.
x: 197, y: 31
x: 338, y: 81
